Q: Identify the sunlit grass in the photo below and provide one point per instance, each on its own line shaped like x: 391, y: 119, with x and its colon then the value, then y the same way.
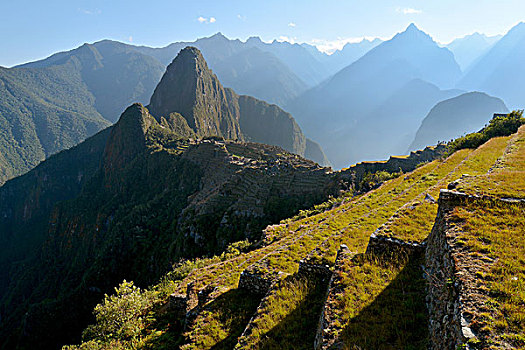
x: 498, y: 231
x: 507, y: 178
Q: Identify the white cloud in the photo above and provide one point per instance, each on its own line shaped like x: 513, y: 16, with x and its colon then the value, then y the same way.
x: 90, y: 12
x: 242, y: 18
x: 287, y: 38
x: 408, y: 11
x: 292, y: 24
x: 206, y: 20
x: 330, y: 46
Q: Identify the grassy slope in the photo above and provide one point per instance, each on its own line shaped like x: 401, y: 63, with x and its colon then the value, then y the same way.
x: 318, y: 236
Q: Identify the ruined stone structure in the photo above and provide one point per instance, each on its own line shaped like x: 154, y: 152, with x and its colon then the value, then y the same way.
x: 395, y: 163
x: 386, y: 247
x: 454, y: 292
x: 255, y: 282
x: 327, y: 326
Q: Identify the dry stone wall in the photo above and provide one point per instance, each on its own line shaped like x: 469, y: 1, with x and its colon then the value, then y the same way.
x: 455, y: 295
x: 327, y: 326
x: 394, y: 163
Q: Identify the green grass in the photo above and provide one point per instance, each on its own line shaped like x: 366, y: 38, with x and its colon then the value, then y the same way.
x: 380, y: 306
x: 497, y: 231
x: 288, y: 317
x: 507, y: 178
x: 414, y: 221
x: 222, y: 321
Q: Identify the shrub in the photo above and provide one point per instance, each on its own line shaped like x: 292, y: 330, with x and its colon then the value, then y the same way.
x: 374, y: 180
x: 120, y: 316
x: 498, y: 126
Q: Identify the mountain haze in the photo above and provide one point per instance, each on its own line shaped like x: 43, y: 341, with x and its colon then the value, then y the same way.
x: 361, y: 88
x: 391, y: 127
x: 456, y: 116
x: 470, y: 48
x: 500, y: 71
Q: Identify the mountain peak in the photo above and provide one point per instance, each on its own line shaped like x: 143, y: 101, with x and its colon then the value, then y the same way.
x: 127, y: 138
x: 190, y: 88
x: 254, y: 40
x: 412, y: 27
x: 219, y: 36
x: 413, y: 34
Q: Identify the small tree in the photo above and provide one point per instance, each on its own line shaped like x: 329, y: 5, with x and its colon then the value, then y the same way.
x: 120, y: 316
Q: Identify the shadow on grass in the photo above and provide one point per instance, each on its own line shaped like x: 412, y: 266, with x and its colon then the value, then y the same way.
x: 233, y: 310
x: 396, y: 319
x: 297, y: 329
x: 236, y: 307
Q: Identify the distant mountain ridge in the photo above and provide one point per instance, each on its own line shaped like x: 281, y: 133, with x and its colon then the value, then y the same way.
x: 467, y: 50
x: 357, y: 91
x: 457, y: 116
x: 500, y: 71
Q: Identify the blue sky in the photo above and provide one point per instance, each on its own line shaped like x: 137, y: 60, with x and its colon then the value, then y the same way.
x: 34, y: 29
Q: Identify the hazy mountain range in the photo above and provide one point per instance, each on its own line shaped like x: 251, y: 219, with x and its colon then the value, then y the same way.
x: 153, y: 155
x: 468, y: 49
x: 343, y: 101
x: 454, y: 117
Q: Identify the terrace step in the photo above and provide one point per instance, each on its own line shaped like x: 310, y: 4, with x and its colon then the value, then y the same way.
x: 324, y: 336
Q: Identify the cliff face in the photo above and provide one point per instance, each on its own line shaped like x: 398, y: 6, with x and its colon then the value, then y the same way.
x: 191, y: 89
x: 265, y: 123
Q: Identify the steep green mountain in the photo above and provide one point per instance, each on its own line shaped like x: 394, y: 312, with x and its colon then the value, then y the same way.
x: 43, y: 111
x: 468, y: 49
x: 190, y: 88
x: 137, y: 197
x: 54, y: 104
x: 357, y: 91
x: 114, y: 73
x: 454, y: 117
x: 499, y: 72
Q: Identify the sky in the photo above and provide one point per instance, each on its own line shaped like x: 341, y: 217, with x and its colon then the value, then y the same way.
x: 31, y: 30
